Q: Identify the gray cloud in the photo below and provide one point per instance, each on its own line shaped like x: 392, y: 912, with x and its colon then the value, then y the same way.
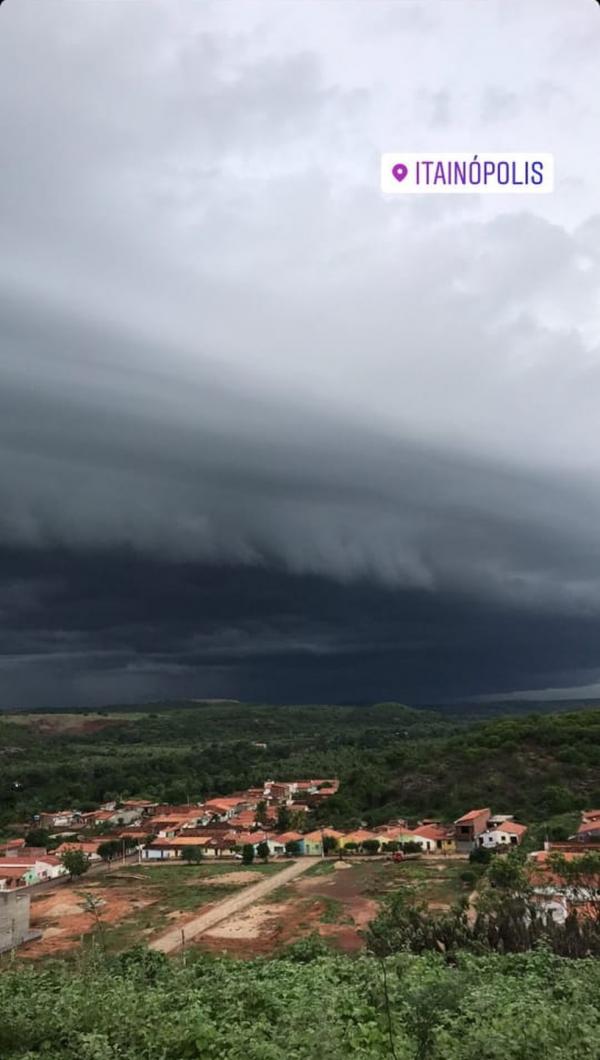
x: 221, y: 345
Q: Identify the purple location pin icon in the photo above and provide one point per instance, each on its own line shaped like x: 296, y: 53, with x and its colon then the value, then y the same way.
x: 399, y: 171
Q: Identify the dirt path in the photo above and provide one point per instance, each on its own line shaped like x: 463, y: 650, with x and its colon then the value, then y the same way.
x: 173, y: 940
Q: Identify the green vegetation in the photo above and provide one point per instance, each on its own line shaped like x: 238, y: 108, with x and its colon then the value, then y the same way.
x: 141, y: 1007
x: 504, y: 917
x: 391, y: 760
x: 163, y: 890
x: 75, y: 862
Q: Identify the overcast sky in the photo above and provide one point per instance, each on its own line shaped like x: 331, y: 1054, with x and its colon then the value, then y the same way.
x: 264, y: 431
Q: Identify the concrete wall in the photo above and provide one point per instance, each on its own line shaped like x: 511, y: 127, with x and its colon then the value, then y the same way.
x: 14, y: 919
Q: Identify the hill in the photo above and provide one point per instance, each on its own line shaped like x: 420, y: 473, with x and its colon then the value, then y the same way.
x: 392, y: 760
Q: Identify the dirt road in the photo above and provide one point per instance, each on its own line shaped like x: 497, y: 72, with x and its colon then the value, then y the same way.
x: 176, y: 937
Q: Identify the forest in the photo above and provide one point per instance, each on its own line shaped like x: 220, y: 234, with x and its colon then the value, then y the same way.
x: 392, y: 760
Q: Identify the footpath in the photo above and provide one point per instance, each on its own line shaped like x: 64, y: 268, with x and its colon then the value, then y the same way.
x: 176, y: 938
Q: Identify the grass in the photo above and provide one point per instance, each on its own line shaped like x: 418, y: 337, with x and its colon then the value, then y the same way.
x: 323, y: 868
x: 168, y: 889
x: 280, y: 894
x: 333, y: 911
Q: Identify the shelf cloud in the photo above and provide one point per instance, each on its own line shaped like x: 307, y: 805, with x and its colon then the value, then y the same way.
x: 264, y: 431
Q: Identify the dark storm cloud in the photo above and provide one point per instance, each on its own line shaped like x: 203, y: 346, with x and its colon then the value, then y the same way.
x: 261, y: 431
x: 245, y: 632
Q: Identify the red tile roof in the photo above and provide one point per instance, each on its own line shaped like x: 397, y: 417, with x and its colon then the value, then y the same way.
x: 431, y: 831
x: 12, y: 844
x: 360, y: 835
x: 29, y: 862
x: 472, y: 815
x: 288, y: 837
x: 512, y: 827
x: 90, y: 847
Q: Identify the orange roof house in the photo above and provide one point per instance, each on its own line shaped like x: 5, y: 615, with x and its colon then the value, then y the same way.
x: 359, y: 837
x: 89, y: 848
x: 434, y: 838
x: 468, y: 827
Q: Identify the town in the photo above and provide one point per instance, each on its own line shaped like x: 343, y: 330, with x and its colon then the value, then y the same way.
x: 274, y: 822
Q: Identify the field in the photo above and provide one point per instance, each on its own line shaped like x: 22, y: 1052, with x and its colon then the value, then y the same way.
x: 137, y: 904
x: 134, y: 904
x: 336, y: 900
x: 73, y: 724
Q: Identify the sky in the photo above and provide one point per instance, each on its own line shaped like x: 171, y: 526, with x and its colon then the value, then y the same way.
x: 266, y: 432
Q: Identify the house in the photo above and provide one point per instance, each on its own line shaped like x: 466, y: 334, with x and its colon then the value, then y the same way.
x: 171, y: 848
x: 225, y: 808
x: 395, y: 834
x: 24, y: 871
x: 433, y: 838
x: 87, y: 847
x: 358, y: 837
x: 313, y: 843
x: 12, y: 846
x: 244, y: 820
x: 506, y: 834
x: 254, y: 839
x: 555, y: 895
x: 469, y: 827
x: 143, y: 807
x: 166, y: 827
x: 281, y: 841
x: 589, y: 828
x: 13, y: 876
x: 59, y: 819
x: 280, y: 791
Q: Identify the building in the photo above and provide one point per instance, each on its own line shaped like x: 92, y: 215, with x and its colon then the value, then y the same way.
x: 469, y: 827
x: 175, y: 847
x: 281, y: 841
x: 506, y: 834
x: 589, y: 829
x: 25, y: 870
x: 11, y: 847
x: 14, y: 920
x: 357, y: 838
x: 394, y: 834
x: 433, y: 839
x: 59, y: 819
x: 312, y: 843
x: 87, y: 847
x: 225, y: 808
x: 559, y: 896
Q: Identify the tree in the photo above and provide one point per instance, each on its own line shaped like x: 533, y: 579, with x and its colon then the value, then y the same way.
x: 261, y: 815
x: 247, y: 853
x: 38, y: 837
x: 371, y: 846
x: 283, y: 818
x: 509, y: 873
x: 75, y: 862
x: 292, y: 848
x: 263, y: 850
x: 330, y: 844
x: 193, y: 854
x: 93, y: 904
x: 109, y: 849
x: 581, y: 876
x: 480, y: 856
